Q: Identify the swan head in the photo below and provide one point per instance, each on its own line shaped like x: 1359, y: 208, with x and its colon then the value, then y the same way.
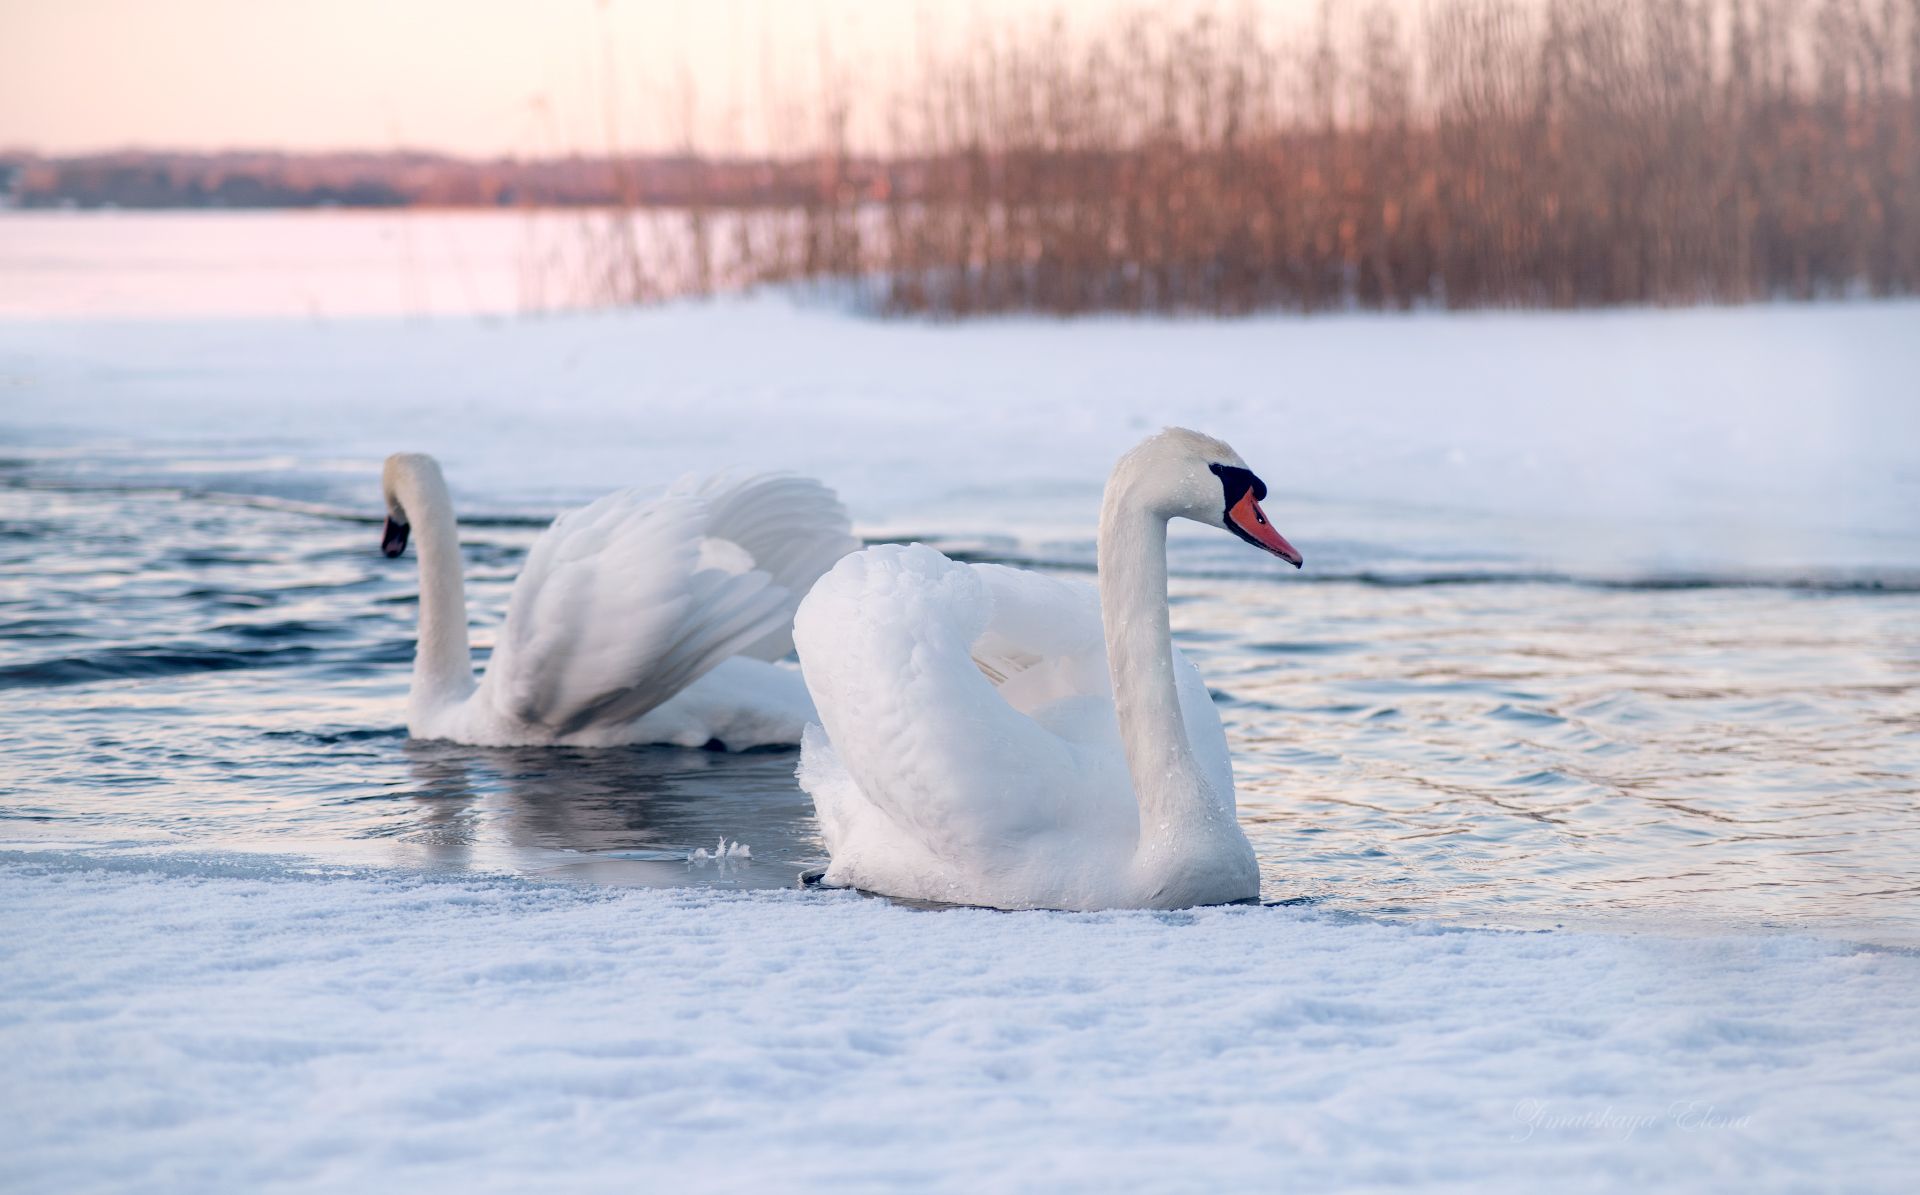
x: 406, y: 476
x: 1186, y: 475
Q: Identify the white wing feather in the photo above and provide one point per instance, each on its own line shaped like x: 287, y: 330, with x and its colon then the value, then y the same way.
x: 794, y: 529
x: 969, y: 724
x: 931, y: 762
x: 612, y: 614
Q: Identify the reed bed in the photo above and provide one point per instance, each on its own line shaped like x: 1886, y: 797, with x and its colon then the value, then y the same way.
x: 1558, y: 153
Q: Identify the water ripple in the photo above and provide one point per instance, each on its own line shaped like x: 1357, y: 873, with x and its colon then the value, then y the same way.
x: 1504, y: 748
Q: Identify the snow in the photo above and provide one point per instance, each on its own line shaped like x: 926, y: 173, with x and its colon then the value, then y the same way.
x: 1675, y: 442
x: 170, y: 1023
x: 180, y: 1022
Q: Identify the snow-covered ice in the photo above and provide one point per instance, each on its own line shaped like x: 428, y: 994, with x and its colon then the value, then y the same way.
x: 221, y: 1024
x: 1759, y: 439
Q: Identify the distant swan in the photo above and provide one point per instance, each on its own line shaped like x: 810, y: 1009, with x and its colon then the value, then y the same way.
x: 996, y: 737
x: 633, y: 620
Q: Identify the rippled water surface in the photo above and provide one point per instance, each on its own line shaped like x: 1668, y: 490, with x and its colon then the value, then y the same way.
x: 1608, y: 616
x: 191, y: 670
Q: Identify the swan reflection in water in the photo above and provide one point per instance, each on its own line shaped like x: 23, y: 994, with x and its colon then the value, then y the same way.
x: 630, y: 815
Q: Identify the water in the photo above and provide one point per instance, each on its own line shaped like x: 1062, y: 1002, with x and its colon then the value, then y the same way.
x: 187, y: 671
x: 330, y: 264
x: 202, y: 650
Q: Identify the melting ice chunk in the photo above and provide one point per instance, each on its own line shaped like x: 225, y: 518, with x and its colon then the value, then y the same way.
x: 722, y: 850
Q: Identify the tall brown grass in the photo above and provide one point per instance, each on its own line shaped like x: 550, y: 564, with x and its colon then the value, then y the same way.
x: 1491, y: 153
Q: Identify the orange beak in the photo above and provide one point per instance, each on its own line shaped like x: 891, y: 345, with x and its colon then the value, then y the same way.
x: 1251, y: 522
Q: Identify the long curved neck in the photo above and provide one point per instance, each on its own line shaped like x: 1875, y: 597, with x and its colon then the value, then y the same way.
x: 443, y: 660
x: 1133, y: 608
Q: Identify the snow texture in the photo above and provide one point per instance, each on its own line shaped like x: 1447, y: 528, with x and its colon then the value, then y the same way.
x: 168, y: 1024
x: 1761, y: 438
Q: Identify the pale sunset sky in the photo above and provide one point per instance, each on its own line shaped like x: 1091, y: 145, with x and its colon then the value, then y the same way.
x: 474, y: 77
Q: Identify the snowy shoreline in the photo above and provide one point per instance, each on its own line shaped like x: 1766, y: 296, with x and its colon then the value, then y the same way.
x: 184, y: 1031
x: 1620, y: 444
x: 176, y: 1019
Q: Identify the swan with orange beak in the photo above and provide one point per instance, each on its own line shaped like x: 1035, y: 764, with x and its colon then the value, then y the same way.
x: 996, y: 737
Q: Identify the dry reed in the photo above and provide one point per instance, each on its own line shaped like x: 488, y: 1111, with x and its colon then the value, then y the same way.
x: 1557, y: 153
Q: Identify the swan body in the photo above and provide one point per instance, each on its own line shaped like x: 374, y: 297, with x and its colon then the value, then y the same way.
x: 996, y: 737
x: 633, y: 620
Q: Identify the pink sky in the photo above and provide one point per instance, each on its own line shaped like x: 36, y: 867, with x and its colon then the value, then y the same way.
x: 471, y: 76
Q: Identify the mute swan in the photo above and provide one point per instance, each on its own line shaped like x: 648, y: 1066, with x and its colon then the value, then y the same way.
x: 632, y: 620
x: 980, y: 743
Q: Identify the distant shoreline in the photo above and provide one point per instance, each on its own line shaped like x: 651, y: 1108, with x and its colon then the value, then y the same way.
x: 160, y: 180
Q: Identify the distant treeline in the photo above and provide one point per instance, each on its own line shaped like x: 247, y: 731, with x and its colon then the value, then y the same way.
x: 138, y: 179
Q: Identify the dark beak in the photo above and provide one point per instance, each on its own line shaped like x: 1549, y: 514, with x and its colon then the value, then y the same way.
x: 393, y: 538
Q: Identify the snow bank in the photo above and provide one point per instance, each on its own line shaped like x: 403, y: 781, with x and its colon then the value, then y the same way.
x: 1667, y: 441
x: 166, y: 1025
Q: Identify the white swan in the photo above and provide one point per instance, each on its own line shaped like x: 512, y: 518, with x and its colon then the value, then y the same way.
x: 632, y: 620
x: 995, y: 737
